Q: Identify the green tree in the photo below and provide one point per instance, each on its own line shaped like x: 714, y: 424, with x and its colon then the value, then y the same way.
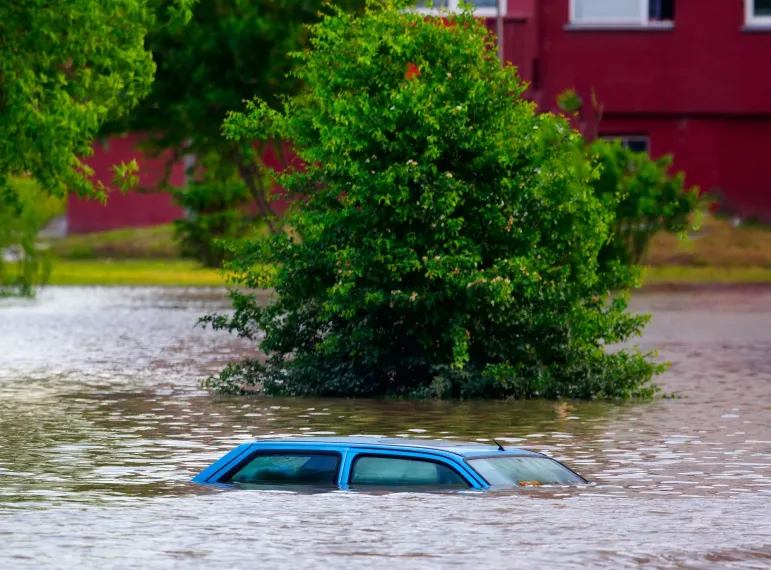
x: 23, y: 265
x: 647, y: 197
x: 66, y: 67
x: 450, y: 234
x: 218, y: 208
x: 232, y: 50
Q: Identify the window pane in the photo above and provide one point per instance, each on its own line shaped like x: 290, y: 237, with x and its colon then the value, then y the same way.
x: 762, y: 8
x: 636, y: 145
x: 661, y: 10
x: 390, y: 472
x: 608, y: 10
x: 523, y: 470
x: 289, y: 468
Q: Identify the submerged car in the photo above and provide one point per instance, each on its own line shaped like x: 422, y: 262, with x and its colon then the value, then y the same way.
x: 370, y: 462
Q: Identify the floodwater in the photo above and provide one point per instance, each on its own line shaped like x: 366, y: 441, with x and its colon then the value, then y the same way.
x: 102, y: 424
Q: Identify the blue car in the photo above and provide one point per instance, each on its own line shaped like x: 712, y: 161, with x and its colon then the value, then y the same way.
x: 351, y: 463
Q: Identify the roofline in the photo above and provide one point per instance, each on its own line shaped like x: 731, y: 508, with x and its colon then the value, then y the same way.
x: 397, y: 446
x: 315, y: 443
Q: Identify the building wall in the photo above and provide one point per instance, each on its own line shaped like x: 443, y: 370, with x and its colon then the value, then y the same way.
x: 717, y: 154
x: 142, y: 207
x: 699, y: 89
x: 132, y: 209
x: 705, y: 64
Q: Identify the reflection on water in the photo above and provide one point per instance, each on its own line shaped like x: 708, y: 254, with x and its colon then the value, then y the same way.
x: 102, y: 424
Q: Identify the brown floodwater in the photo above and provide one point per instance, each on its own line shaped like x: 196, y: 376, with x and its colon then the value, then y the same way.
x: 102, y: 424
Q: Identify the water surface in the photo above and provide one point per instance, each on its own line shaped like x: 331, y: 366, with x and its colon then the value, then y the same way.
x: 102, y: 424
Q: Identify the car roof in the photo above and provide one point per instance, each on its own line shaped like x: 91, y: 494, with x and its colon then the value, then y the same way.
x: 462, y: 448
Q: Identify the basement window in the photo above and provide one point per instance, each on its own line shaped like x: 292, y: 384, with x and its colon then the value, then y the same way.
x: 636, y: 143
x: 486, y: 8
x: 622, y: 13
x: 758, y: 12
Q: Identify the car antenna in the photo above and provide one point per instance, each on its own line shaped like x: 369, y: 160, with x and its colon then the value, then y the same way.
x: 500, y: 447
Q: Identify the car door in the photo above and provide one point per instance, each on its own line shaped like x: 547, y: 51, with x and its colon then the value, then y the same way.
x: 277, y: 466
x: 372, y: 468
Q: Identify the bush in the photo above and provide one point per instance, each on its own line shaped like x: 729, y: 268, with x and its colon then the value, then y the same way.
x: 450, y: 234
x: 649, y: 200
x: 23, y: 265
x: 217, y: 204
x: 215, y: 211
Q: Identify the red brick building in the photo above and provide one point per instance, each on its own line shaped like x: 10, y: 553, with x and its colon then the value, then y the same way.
x: 686, y: 77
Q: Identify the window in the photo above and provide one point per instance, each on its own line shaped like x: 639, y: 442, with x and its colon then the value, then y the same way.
x: 400, y: 472
x: 637, y: 143
x: 288, y: 468
x: 524, y: 470
x: 482, y: 7
x: 758, y: 11
x: 621, y: 12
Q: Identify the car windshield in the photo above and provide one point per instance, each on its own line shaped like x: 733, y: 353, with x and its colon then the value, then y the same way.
x: 523, y: 470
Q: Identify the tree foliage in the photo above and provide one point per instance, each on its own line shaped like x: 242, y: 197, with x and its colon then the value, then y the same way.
x: 231, y: 50
x: 67, y: 67
x: 219, y: 209
x: 451, y: 235
x: 649, y: 199
x: 23, y: 264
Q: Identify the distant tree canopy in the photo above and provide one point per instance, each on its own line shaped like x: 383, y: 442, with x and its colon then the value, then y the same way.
x: 67, y: 67
x: 230, y: 51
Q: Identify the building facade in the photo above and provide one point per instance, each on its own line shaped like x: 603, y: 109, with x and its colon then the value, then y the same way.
x: 691, y: 78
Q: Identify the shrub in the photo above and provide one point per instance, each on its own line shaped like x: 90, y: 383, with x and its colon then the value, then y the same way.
x: 218, y: 209
x: 649, y: 199
x: 23, y: 265
x: 215, y: 211
x: 450, y: 234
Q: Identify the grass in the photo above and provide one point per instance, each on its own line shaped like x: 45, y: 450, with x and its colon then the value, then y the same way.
x: 166, y: 272
x: 689, y: 275
x: 131, y: 243
x: 717, y: 245
x: 185, y: 273
x: 719, y: 253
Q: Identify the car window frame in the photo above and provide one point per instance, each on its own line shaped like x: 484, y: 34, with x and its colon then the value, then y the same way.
x: 408, y: 456
x: 538, y: 455
x: 250, y: 456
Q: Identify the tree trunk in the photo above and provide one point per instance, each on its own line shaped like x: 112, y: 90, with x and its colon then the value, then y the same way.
x: 257, y: 189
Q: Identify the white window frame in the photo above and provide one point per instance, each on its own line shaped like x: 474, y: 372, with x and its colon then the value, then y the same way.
x: 452, y: 6
x: 643, y: 18
x: 751, y: 18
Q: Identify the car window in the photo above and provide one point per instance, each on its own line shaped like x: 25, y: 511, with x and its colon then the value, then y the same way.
x: 288, y: 468
x: 523, y: 470
x: 395, y: 471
